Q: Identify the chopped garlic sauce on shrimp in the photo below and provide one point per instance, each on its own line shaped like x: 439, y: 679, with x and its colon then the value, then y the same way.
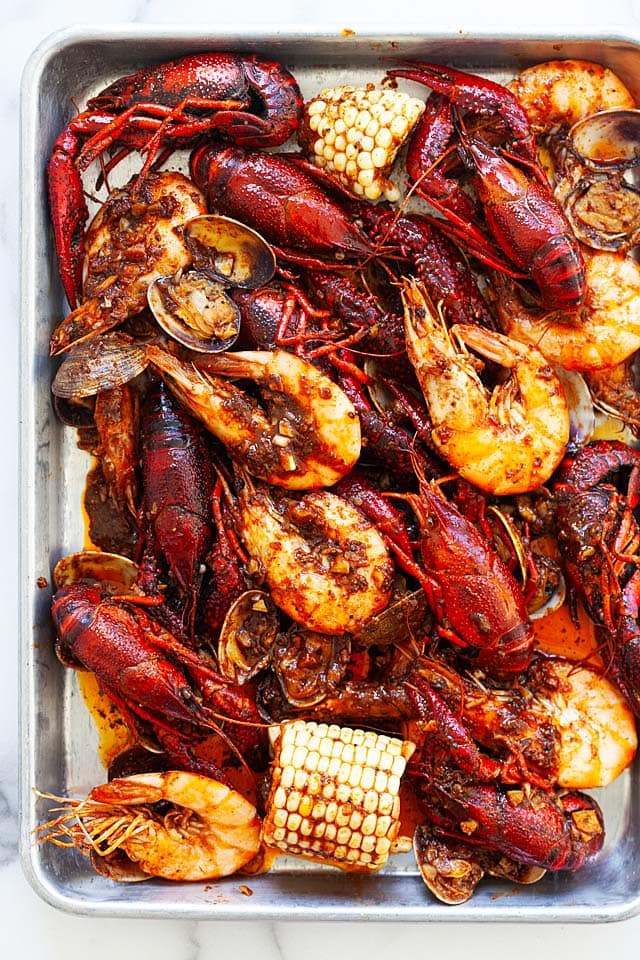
x: 131, y: 241
x: 309, y: 438
x: 325, y: 564
x: 509, y: 440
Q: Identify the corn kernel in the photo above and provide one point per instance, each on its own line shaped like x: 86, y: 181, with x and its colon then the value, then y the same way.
x: 378, y: 157
x: 398, y: 127
x: 280, y: 818
x: 288, y: 775
x: 351, y: 168
x: 369, y: 825
x: 293, y: 801
x: 316, y: 106
x: 364, y: 160
x: 380, y: 783
x: 294, y: 821
x: 365, y: 178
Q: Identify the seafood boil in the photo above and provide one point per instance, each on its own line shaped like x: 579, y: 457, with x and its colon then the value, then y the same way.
x: 357, y: 376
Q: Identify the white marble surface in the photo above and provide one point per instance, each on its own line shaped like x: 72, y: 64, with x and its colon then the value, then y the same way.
x: 29, y: 927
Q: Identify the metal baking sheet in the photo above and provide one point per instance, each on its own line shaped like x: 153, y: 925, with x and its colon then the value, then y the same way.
x: 57, y: 736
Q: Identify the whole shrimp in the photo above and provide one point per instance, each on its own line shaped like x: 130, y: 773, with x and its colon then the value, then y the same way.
x: 132, y: 240
x: 506, y: 441
x: 608, y: 332
x: 310, y: 436
x: 325, y: 564
x: 203, y: 829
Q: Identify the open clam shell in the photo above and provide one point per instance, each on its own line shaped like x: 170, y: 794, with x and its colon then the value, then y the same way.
x: 604, y: 213
x: 309, y: 664
x: 195, y: 310
x: 98, y: 364
x: 247, y: 635
x: 114, y: 573
x: 607, y: 140
x: 229, y: 251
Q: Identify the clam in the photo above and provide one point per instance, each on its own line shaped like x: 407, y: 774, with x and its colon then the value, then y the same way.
x: 599, y: 197
x: 247, y: 635
x: 448, y: 867
x: 604, y: 212
x: 608, y: 139
x: 551, y: 591
x: 195, y: 310
x: 115, y: 574
x: 308, y: 664
x: 98, y: 364
x: 452, y: 868
x: 229, y: 251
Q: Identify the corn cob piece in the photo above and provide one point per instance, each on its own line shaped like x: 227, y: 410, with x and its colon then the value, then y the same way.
x: 356, y: 132
x: 334, y: 794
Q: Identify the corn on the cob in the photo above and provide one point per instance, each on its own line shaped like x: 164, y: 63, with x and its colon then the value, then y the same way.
x: 334, y: 794
x: 356, y: 132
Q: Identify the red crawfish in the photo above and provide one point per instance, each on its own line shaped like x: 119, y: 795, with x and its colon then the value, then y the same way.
x: 597, y: 492
x: 178, y: 485
x: 144, y: 669
x: 433, y: 259
x: 465, y: 799
x: 280, y: 200
x: 157, y: 110
x: 476, y: 599
x: 522, y: 216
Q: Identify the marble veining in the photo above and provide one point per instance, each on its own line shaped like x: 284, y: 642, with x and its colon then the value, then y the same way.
x: 28, y: 926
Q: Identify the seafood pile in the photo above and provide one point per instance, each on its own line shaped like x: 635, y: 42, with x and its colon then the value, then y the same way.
x: 352, y: 476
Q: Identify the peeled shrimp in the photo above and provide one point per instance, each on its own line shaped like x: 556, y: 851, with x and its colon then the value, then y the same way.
x: 506, y: 441
x: 606, y: 330
x: 311, y: 434
x: 557, y: 94
x: 596, y: 726
x: 325, y: 564
x: 132, y: 240
x: 208, y: 831
x: 566, y: 720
